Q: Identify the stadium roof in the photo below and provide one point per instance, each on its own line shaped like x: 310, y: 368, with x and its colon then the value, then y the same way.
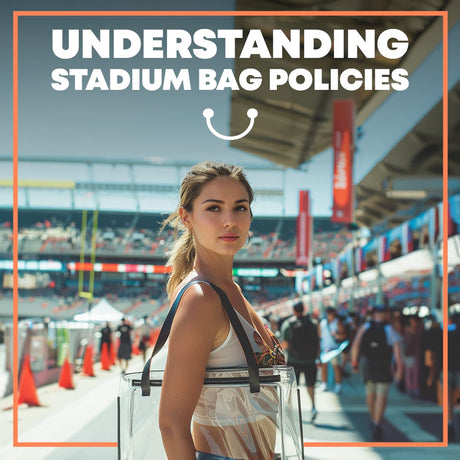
x: 409, y: 178
x: 297, y: 125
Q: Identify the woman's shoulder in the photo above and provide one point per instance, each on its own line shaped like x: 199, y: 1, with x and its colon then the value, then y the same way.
x: 199, y: 316
x: 197, y: 297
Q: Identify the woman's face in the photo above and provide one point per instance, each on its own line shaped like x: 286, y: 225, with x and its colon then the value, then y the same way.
x: 220, y: 216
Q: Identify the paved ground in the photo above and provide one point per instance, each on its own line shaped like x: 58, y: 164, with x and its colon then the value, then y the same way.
x: 88, y: 413
x: 344, y: 418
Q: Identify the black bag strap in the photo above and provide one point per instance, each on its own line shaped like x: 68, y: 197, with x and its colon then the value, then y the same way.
x: 253, y: 368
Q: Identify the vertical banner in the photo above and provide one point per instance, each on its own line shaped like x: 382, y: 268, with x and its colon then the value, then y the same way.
x: 304, y: 231
x: 343, y: 144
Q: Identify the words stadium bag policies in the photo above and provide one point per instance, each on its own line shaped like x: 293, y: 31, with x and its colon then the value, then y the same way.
x: 242, y: 413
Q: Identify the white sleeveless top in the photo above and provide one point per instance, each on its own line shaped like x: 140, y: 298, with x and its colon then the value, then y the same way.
x: 229, y: 353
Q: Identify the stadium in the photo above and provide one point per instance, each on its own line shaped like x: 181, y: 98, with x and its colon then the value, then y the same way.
x: 92, y: 197
x: 70, y: 259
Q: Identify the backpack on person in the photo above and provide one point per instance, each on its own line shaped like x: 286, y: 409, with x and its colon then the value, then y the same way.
x: 378, y: 353
x: 303, y: 339
x: 374, y: 345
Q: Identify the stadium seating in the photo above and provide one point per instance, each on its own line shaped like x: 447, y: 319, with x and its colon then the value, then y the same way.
x: 132, y: 235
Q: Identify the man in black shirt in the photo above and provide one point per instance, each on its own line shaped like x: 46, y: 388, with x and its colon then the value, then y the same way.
x: 125, y: 349
x: 377, y: 342
x: 300, y: 338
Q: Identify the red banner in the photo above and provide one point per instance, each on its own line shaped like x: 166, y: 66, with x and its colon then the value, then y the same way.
x: 304, y: 231
x: 343, y: 144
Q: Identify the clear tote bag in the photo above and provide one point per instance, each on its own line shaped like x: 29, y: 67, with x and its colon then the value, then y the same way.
x: 243, y: 413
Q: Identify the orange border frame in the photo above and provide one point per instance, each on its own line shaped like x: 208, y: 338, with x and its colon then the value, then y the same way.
x: 17, y: 14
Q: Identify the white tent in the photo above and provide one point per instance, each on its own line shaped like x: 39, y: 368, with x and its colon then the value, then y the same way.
x: 101, y: 312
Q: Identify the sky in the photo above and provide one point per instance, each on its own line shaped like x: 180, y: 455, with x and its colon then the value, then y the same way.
x: 163, y: 125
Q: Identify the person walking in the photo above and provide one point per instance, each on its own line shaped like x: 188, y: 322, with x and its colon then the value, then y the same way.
x: 106, y: 337
x: 124, y: 331
x: 300, y: 338
x: 411, y: 339
x: 213, y: 218
x: 432, y: 352
x: 377, y: 342
x: 331, y: 332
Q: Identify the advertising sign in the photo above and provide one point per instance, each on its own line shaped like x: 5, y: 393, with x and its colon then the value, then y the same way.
x: 343, y: 145
x: 304, y: 230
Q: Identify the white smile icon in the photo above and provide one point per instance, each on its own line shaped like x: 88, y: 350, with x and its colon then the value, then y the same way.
x: 251, y: 113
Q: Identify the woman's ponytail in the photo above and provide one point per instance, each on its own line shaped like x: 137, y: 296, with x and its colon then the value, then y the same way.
x: 181, y: 260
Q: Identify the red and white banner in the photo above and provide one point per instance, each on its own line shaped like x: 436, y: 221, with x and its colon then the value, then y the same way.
x: 304, y: 231
x: 343, y: 144
x: 118, y: 268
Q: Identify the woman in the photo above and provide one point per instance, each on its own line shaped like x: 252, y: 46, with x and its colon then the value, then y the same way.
x: 214, y: 216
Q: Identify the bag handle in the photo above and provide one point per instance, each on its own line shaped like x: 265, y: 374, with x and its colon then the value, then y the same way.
x: 253, y: 368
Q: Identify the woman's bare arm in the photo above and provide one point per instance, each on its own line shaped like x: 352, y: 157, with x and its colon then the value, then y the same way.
x: 196, y: 324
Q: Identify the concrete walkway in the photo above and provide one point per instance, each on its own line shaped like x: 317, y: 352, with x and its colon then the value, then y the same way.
x: 88, y: 414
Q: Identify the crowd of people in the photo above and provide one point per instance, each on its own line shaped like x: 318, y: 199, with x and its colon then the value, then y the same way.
x: 131, y: 337
x: 384, y: 345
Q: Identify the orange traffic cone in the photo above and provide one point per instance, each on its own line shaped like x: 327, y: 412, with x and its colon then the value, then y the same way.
x: 105, y: 359
x: 65, y: 378
x: 27, y: 390
x: 88, y: 362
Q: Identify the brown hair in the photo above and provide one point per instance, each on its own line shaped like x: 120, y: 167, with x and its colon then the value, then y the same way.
x: 182, y: 252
